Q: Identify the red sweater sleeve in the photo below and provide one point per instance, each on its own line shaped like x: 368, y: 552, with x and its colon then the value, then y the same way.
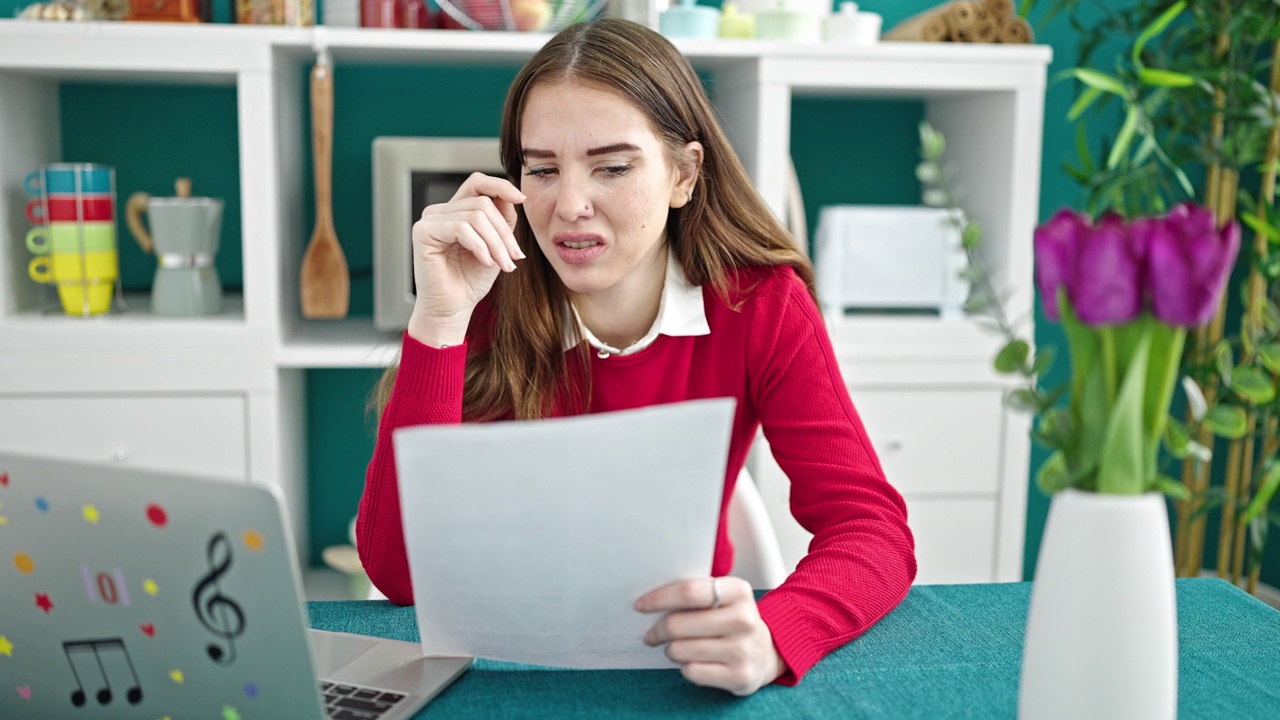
x: 428, y: 391
x: 861, y: 561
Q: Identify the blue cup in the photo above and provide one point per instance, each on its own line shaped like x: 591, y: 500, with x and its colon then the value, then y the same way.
x: 68, y: 179
x: 690, y: 20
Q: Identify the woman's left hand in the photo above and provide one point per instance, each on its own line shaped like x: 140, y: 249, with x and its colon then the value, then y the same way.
x: 724, y: 645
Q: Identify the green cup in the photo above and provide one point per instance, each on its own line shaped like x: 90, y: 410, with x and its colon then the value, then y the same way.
x: 66, y: 237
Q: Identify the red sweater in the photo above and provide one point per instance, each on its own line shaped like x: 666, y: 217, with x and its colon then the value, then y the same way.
x: 774, y: 355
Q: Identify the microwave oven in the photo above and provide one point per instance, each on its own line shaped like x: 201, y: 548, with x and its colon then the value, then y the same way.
x: 410, y: 173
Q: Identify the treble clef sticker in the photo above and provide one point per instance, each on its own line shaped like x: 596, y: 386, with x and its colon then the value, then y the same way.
x: 219, y: 614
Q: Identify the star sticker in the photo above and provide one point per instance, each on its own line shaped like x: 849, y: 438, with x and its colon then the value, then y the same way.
x: 44, y: 603
x: 91, y: 514
x: 6, y: 647
x: 229, y: 713
x: 150, y: 586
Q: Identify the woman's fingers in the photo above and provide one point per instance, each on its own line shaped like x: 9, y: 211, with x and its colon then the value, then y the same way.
x: 721, y: 622
x: 487, y: 220
x: 695, y: 594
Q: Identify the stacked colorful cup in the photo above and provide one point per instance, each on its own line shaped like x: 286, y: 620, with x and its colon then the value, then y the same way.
x: 75, y: 241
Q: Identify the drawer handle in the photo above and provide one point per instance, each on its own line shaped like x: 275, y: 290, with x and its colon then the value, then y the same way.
x: 120, y: 456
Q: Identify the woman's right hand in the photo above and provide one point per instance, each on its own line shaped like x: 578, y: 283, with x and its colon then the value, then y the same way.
x: 459, y: 247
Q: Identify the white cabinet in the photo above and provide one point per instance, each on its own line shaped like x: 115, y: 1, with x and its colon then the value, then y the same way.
x: 200, y: 434
x: 224, y: 395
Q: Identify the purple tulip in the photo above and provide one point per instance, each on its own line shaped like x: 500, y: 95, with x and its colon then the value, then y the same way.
x: 1188, y: 262
x: 1057, y: 244
x: 1106, y: 287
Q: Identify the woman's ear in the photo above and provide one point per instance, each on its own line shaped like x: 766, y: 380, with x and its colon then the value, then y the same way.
x: 688, y: 168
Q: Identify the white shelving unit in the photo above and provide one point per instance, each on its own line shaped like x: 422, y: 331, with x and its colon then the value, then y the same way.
x: 224, y: 395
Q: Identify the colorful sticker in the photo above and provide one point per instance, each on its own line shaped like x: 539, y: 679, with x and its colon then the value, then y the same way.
x: 77, y: 648
x: 3, y: 520
x: 91, y: 514
x: 110, y: 589
x: 4, y: 479
x: 6, y: 647
x: 251, y: 690
x: 148, y: 629
x: 176, y: 675
x: 157, y: 515
x: 44, y: 603
x: 253, y: 540
x: 42, y: 505
x: 24, y: 691
x: 229, y: 713
x: 150, y: 587
x: 23, y: 562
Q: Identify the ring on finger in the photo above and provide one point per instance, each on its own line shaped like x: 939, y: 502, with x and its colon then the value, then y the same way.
x: 715, y: 593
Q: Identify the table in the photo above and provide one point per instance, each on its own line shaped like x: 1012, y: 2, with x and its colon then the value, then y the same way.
x: 948, y: 651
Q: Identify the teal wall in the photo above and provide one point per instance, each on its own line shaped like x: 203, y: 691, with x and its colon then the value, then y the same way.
x: 845, y: 151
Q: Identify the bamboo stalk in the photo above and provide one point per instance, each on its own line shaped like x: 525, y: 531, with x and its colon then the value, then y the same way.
x: 1266, y: 197
x: 1199, y: 474
x: 1246, y: 490
x: 1227, y: 528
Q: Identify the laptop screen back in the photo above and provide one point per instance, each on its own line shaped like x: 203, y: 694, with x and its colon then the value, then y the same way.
x: 134, y: 594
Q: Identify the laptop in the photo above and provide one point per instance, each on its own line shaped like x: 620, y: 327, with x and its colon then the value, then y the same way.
x: 127, y: 593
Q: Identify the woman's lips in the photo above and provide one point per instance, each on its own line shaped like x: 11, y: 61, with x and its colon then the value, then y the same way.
x: 576, y: 249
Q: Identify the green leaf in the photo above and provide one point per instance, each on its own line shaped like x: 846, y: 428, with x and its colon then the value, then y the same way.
x: 1012, y: 357
x: 1195, y: 398
x: 932, y: 143
x: 1260, y: 225
x: 1082, y: 103
x: 1224, y: 361
x: 1082, y: 149
x: 1023, y: 399
x: 1251, y: 384
x: 1257, y: 538
x: 1176, y: 438
x: 1173, y: 488
x: 1155, y: 28
x: 1270, y: 357
x: 1099, y: 80
x: 1165, y: 78
x: 1053, y: 475
x: 971, y: 236
x: 1266, y: 490
x: 1270, y: 316
x: 1124, y: 138
x: 1122, y: 466
x: 1226, y: 421
x: 928, y: 172
x: 937, y: 197
x: 1044, y: 361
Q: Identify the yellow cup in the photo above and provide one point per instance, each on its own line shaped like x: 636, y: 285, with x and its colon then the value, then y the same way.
x: 92, y: 297
x: 61, y: 268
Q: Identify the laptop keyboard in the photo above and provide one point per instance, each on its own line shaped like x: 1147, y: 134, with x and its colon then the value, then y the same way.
x: 352, y: 702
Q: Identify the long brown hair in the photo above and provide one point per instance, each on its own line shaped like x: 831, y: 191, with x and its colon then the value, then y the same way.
x: 522, y: 372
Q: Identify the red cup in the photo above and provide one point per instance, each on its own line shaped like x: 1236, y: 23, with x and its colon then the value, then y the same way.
x: 69, y: 208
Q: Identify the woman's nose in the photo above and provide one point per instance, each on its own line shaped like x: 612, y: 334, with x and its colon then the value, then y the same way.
x: 573, y: 201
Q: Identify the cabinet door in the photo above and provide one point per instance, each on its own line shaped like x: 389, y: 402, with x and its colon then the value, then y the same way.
x: 935, y: 441
x: 199, y: 435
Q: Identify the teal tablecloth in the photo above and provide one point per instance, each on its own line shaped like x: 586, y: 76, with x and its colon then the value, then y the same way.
x: 948, y: 651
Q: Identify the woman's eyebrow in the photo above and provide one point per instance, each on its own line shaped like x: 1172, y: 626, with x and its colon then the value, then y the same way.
x: 535, y: 153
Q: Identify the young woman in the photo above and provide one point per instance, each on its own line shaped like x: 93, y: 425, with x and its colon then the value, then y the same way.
x: 629, y: 262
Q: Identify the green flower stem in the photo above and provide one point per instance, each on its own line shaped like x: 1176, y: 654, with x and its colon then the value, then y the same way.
x: 1162, y: 378
x: 1110, y: 369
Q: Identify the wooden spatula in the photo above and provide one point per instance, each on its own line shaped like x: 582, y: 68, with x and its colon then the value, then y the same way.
x: 325, y: 283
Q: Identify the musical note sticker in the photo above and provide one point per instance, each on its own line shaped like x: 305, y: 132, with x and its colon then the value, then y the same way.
x: 24, y: 563
x: 44, y: 603
x: 219, y: 614
x: 107, y: 646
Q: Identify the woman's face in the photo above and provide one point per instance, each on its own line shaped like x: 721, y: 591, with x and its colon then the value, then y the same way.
x: 599, y: 184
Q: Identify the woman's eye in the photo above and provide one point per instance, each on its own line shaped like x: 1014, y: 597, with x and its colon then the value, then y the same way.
x: 616, y: 170
x: 540, y: 173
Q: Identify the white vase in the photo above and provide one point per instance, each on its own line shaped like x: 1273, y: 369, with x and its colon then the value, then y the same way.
x: 1102, y: 635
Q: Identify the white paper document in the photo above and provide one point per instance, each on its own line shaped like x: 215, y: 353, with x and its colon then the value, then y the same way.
x: 531, y: 541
